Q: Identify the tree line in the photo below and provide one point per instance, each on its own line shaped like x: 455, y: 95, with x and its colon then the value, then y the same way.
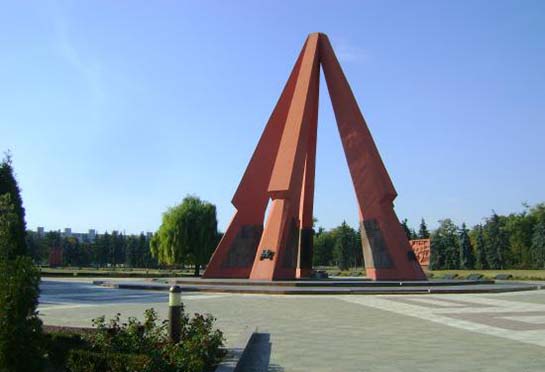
x: 108, y: 249
x: 514, y: 241
x: 340, y: 246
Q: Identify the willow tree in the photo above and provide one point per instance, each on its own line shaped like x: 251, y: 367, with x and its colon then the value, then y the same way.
x: 188, y: 234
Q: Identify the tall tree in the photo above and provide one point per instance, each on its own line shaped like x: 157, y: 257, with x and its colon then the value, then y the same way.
x: 9, y: 228
x: 519, y: 227
x: 102, y: 249
x: 9, y: 186
x: 480, y: 248
x: 445, y: 246
x: 496, y: 242
x: 467, y: 259
x: 423, y: 232
x: 20, y: 327
x: 188, y: 233
x: 324, y: 243
x: 538, y: 245
x: 147, y: 258
x: 411, y: 234
x: 343, y: 249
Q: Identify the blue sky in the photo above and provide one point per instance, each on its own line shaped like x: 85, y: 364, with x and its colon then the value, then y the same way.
x: 115, y: 110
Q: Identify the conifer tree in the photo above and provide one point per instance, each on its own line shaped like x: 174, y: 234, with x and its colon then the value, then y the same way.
x: 496, y: 242
x: 8, y: 185
x: 20, y: 327
x: 411, y: 234
x: 538, y: 245
x: 344, y: 245
x: 480, y: 249
x: 445, y: 246
x: 467, y: 259
x: 423, y: 232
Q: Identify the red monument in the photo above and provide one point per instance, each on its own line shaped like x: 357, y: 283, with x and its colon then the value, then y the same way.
x: 281, y: 171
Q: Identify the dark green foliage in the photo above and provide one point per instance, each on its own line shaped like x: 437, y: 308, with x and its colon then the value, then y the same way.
x: 102, y: 249
x: 8, y: 185
x: 76, y: 253
x: 117, y: 248
x: 480, y: 248
x: 496, y: 242
x: 138, y: 252
x: 503, y: 242
x: 347, y: 251
x: 344, y: 241
x: 538, y: 245
x: 445, y: 246
x: 518, y: 227
x: 37, y: 247
x: 58, y: 345
x: 324, y: 242
x: 88, y: 361
x: 467, y: 259
x: 20, y: 327
x: 340, y: 246
x: 9, y: 229
x: 188, y: 233
x: 411, y: 234
x: 423, y: 232
x: 199, y: 349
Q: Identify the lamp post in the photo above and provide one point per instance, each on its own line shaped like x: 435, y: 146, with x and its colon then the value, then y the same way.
x: 174, y: 313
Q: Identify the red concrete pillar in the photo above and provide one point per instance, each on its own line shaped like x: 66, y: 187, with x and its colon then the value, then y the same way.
x: 281, y: 234
x: 234, y: 256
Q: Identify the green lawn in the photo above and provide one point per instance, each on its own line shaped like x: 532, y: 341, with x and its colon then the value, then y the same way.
x: 491, y: 274
x: 437, y: 274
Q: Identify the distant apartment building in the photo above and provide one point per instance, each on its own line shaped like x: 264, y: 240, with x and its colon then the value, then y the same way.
x: 89, y: 237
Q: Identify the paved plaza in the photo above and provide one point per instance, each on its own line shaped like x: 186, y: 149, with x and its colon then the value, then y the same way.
x: 450, y: 332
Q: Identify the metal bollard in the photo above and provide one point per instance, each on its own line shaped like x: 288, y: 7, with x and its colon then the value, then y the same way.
x: 174, y: 313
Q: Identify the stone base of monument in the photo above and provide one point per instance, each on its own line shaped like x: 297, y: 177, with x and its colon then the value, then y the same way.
x: 332, y: 286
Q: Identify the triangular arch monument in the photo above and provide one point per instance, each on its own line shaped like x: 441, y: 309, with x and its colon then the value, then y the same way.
x: 281, y: 171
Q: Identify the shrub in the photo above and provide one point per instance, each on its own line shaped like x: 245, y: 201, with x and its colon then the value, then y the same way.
x: 20, y: 327
x: 58, y: 345
x: 200, y: 347
x: 88, y: 361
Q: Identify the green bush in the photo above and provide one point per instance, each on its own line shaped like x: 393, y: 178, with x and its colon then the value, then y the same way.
x: 20, y: 327
x: 88, y: 361
x: 200, y: 347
